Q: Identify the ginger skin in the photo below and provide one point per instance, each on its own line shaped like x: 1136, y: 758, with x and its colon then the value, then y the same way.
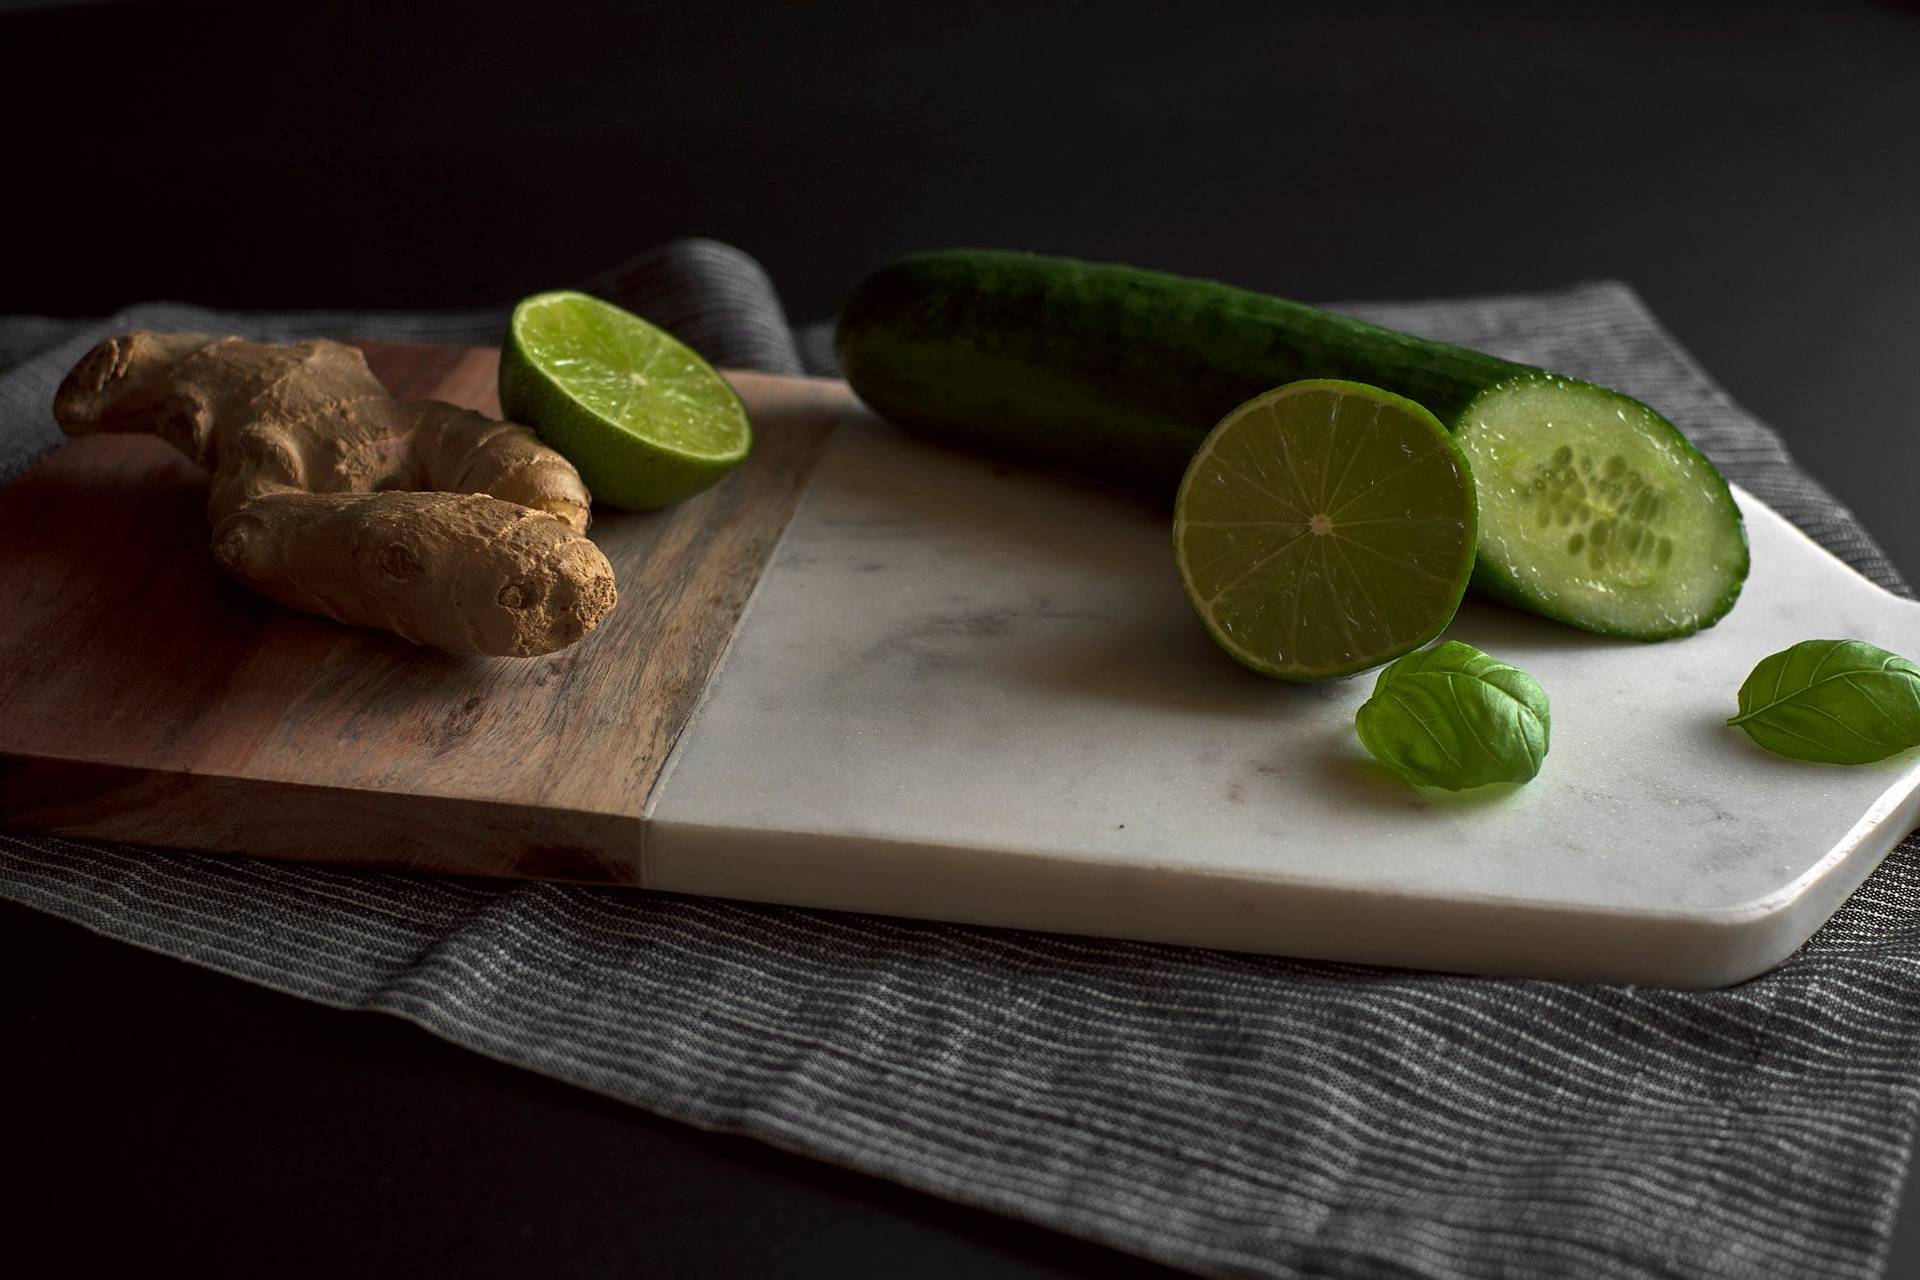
x: 434, y: 522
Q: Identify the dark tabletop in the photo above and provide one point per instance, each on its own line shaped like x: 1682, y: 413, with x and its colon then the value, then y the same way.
x: 1754, y: 172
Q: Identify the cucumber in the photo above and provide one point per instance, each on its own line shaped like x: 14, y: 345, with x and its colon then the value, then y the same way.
x: 1593, y: 509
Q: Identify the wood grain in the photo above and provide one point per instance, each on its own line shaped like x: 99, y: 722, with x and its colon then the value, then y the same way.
x: 149, y: 698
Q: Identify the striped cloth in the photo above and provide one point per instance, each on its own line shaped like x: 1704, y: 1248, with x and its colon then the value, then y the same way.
x: 1230, y: 1114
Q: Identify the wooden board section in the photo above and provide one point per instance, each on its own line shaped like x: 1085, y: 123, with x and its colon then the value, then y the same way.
x: 149, y: 698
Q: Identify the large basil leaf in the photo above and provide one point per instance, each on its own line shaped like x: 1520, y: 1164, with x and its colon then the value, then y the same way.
x: 1832, y: 701
x: 1452, y: 717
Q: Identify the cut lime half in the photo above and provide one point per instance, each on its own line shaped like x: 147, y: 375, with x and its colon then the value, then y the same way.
x: 1324, y: 528
x: 646, y: 421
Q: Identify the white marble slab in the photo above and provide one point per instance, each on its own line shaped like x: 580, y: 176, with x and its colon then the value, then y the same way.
x: 970, y: 693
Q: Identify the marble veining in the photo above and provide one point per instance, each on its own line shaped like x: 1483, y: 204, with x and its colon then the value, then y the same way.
x: 963, y: 691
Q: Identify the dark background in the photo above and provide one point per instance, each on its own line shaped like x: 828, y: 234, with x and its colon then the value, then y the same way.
x: 1752, y: 171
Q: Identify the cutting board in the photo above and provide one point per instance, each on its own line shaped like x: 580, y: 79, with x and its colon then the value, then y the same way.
x: 869, y: 673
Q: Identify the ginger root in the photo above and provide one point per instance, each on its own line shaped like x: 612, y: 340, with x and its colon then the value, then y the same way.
x: 329, y: 495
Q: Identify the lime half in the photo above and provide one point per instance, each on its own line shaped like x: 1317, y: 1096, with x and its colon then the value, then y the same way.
x: 1325, y: 527
x: 646, y: 421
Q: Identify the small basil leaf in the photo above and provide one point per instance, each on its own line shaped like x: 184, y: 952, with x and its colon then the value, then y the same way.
x: 1832, y: 701
x: 1452, y: 717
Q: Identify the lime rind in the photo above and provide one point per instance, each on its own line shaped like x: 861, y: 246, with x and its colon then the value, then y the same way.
x: 632, y: 374
x: 1324, y: 528
x: 645, y: 420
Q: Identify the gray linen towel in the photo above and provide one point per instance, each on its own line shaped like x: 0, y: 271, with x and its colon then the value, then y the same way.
x: 1235, y: 1115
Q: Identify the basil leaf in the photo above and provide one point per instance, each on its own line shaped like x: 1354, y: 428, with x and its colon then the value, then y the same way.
x: 1452, y: 717
x: 1832, y: 701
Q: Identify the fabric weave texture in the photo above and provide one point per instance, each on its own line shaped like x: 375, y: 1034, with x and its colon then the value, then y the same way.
x: 1229, y: 1114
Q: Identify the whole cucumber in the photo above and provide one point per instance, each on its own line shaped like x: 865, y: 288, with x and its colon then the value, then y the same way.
x: 1594, y: 509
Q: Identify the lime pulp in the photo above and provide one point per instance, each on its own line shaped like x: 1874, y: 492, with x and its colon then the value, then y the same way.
x: 1325, y: 527
x: 645, y: 420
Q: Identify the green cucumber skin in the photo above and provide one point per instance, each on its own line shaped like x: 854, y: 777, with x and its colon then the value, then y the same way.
x: 1119, y: 373
x: 1107, y: 370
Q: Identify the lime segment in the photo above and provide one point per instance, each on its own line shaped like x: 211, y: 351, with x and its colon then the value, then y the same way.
x: 646, y: 421
x: 1324, y: 528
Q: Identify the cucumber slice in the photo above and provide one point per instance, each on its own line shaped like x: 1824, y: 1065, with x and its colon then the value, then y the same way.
x: 1596, y: 511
